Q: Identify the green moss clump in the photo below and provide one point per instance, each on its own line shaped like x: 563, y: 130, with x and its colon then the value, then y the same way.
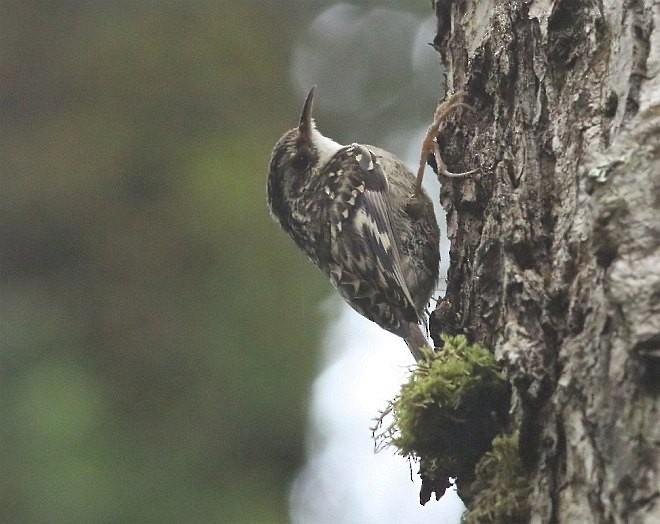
x: 448, y: 413
x: 502, y: 488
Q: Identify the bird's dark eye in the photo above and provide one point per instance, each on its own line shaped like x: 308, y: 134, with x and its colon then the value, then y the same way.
x: 301, y: 161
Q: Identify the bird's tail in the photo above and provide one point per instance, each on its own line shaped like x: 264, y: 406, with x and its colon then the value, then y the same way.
x: 417, y: 342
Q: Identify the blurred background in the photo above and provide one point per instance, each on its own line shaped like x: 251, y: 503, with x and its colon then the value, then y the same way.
x: 159, y: 336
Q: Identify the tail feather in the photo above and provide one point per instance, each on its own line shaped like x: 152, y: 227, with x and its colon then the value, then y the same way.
x: 417, y: 341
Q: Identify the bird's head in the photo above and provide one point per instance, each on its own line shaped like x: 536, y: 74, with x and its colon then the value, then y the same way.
x: 298, y: 155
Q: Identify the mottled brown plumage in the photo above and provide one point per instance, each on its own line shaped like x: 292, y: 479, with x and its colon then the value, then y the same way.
x: 354, y: 210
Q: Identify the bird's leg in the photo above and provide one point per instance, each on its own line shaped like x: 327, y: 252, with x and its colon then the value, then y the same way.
x: 430, y: 144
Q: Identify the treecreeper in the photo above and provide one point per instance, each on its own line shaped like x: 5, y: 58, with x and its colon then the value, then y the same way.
x: 362, y: 217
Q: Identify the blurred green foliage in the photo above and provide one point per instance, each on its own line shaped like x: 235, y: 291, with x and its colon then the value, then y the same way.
x: 158, y: 332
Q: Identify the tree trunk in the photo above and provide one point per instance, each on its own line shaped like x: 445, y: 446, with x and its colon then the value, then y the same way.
x: 555, y: 245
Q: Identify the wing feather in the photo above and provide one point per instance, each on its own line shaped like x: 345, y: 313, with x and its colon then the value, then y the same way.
x: 367, y: 262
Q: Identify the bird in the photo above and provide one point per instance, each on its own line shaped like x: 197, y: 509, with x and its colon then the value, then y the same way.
x: 361, y: 216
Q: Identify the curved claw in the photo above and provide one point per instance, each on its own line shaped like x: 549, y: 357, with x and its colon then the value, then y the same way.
x: 449, y: 174
x: 430, y: 144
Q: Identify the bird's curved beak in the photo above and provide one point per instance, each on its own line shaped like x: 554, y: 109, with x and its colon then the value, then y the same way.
x: 305, y: 127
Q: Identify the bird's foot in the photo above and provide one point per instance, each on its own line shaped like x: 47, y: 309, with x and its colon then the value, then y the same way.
x: 430, y: 144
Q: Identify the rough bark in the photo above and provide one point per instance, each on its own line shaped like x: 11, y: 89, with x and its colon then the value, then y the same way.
x: 555, y: 246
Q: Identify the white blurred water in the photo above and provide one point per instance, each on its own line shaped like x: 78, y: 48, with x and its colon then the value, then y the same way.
x: 344, y: 481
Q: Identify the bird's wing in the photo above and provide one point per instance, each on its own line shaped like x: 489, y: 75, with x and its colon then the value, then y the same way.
x: 367, y: 267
